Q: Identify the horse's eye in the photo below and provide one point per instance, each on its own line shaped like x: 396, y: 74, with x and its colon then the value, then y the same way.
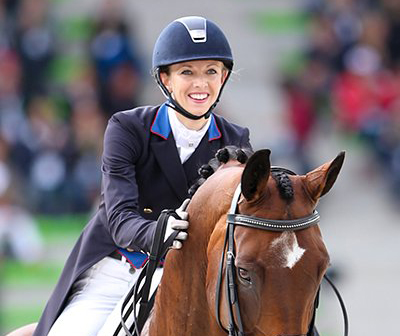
x: 244, y: 275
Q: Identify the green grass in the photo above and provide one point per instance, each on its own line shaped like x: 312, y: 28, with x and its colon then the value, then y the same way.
x: 13, y: 318
x: 17, y: 274
x: 55, y: 231
x: 27, y: 278
x: 60, y: 228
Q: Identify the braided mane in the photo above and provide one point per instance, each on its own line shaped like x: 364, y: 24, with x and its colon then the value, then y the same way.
x: 284, y: 185
x: 222, y: 156
x: 225, y: 154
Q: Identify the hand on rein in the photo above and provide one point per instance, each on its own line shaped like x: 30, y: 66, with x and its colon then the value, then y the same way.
x: 174, y: 224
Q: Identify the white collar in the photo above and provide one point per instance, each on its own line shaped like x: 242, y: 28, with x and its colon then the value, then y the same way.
x: 186, y: 139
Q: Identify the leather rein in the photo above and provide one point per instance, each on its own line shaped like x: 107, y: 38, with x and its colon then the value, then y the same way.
x: 139, y: 302
x: 235, y: 326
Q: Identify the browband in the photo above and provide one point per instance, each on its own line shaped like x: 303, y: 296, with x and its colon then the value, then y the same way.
x: 274, y: 225
x: 268, y: 224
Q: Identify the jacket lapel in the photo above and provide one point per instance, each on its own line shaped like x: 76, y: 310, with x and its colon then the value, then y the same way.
x: 167, y: 157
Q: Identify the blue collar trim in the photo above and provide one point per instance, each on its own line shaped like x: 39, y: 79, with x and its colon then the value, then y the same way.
x: 213, y: 131
x: 162, y: 127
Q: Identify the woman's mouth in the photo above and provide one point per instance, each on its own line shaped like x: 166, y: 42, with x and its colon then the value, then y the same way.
x: 199, y: 97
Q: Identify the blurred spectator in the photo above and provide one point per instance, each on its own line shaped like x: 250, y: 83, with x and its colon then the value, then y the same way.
x: 35, y: 44
x: 6, y: 24
x: 8, y: 15
x: 392, y: 138
x: 20, y: 238
x: 362, y: 90
x: 116, y: 58
x: 322, y: 43
x: 300, y: 118
x: 44, y: 140
x: 84, y: 153
x: 391, y: 9
x: 11, y: 102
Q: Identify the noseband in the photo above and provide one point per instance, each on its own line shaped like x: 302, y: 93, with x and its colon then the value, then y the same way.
x: 235, y: 327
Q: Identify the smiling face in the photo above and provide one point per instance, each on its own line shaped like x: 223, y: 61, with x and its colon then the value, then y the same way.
x: 195, y: 85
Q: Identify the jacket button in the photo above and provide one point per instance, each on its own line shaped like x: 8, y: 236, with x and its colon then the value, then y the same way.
x: 147, y: 210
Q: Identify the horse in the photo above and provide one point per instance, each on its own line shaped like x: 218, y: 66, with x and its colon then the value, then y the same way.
x: 254, y: 258
x: 277, y: 254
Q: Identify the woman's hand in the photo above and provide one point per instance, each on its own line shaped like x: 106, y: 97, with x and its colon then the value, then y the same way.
x: 178, y: 225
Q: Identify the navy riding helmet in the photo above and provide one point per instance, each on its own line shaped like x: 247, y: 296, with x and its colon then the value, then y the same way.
x: 187, y: 39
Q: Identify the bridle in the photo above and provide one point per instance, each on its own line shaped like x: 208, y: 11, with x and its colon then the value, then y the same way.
x: 235, y: 326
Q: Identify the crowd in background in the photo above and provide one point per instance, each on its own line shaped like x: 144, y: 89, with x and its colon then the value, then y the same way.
x: 60, y: 81
x: 350, y: 76
x: 51, y: 125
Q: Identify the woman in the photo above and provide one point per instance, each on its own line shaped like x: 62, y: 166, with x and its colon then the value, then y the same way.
x: 151, y: 157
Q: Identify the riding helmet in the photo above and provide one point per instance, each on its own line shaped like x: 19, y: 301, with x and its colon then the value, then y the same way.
x: 187, y: 39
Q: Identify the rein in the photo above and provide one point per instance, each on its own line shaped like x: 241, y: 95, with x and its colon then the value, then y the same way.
x: 141, y: 297
x: 235, y: 327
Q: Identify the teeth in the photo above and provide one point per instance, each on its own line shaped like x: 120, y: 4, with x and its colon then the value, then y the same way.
x: 198, y: 96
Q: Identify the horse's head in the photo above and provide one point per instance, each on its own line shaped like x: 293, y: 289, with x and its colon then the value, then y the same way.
x: 277, y: 274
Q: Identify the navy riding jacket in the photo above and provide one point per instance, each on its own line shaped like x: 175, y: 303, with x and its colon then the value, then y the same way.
x: 142, y: 175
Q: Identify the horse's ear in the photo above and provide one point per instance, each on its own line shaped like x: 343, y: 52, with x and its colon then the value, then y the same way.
x: 256, y: 171
x: 320, y: 180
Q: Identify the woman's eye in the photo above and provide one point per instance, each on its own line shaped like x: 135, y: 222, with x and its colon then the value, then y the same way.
x: 212, y: 71
x: 186, y: 72
x: 244, y: 275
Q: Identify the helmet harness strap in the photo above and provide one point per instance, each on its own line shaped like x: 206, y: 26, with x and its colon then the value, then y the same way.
x: 177, y: 107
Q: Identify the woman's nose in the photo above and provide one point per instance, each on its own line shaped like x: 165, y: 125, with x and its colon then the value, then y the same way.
x: 200, y: 82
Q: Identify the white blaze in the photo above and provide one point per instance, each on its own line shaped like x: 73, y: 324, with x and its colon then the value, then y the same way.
x: 288, y: 248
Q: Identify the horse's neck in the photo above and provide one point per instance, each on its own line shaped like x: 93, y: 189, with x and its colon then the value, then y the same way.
x: 181, y: 306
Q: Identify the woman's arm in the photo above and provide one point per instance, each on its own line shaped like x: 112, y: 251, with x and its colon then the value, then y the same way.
x: 122, y: 149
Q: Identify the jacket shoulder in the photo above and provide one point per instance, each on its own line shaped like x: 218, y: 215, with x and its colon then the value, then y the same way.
x: 229, y: 127
x: 143, y: 114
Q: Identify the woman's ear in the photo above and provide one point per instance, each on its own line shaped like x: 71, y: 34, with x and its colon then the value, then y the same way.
x: 224, y: 75
x: 165, y: 80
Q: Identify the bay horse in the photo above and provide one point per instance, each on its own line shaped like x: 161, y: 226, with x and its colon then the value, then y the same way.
x: 275, y: 255
x: 276, y: 273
